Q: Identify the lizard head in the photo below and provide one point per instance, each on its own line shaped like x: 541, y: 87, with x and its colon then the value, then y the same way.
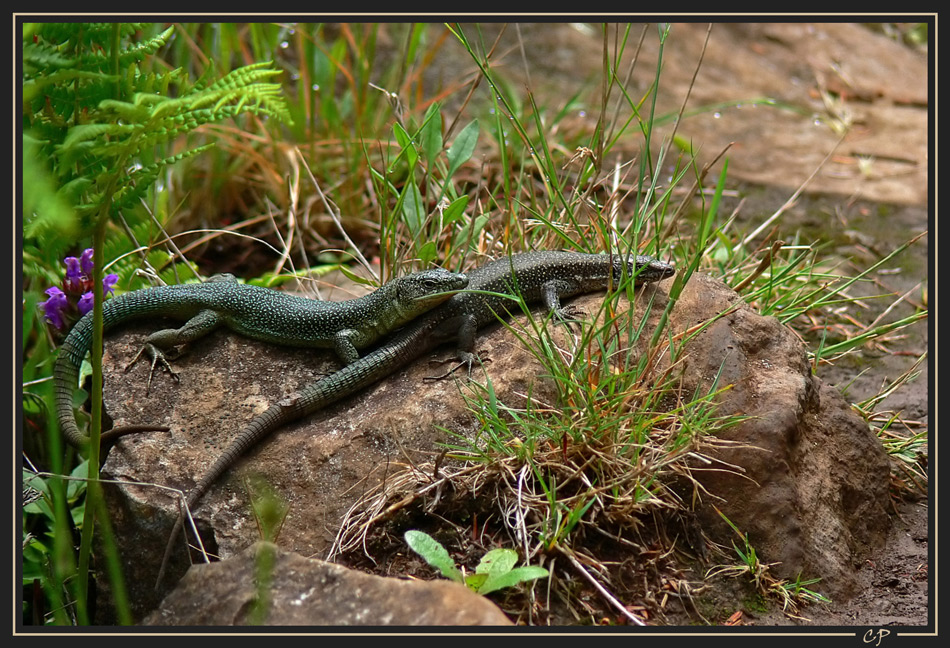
x: 645, y: 269
x: 421, y: 291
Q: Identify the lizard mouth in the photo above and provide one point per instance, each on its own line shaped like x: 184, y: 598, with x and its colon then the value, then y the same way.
x: 439, y: 296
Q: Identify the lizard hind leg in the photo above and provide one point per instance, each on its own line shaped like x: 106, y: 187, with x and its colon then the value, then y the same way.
x: 463, y: 359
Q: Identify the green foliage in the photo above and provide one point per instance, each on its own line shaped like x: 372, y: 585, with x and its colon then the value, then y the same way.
x: 495, y: 571
x: 790, y: 595
x: 40, y: 529
x: 75, y: 489
x: 269, y: 509
x: 428, y: 206
x: 101, y: 126
x: 108, y: 127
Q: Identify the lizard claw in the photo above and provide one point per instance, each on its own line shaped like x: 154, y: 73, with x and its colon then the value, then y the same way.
x: 466, y: 359
x: 158, y: 357
x: 570, y: 316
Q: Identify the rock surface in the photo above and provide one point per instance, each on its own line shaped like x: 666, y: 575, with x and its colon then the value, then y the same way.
x: 306, y: 593
x: 811, y: 494
x: 813, y: 488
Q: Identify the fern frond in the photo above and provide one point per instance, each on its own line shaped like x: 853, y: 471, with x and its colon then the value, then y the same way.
x: 152, y: 84
x: 85, y: 132
x: 86, y: 33
x: 131, y: 112
x: 129, y: 56
x: 133, y: 187
x: 40, y: 55
x: 245, y: 76
x: 49, y: 89
x: 96, y: 125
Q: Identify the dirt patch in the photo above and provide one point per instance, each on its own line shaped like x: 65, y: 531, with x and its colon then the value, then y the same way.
x: 671, y: 582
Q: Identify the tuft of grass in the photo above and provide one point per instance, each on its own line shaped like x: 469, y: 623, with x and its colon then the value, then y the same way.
x: 791, y: 595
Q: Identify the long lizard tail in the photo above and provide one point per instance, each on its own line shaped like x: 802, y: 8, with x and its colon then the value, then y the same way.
x: 275, y: 416
x: 346, y: 381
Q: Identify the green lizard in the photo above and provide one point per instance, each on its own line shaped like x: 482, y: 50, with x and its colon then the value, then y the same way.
x: 260, y: 313
x: 545, y: 277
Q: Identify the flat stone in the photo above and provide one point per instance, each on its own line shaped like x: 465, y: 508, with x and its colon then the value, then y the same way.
x: 265, y: 585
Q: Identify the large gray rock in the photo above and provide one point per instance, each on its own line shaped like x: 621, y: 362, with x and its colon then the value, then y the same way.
x: 811, y: 494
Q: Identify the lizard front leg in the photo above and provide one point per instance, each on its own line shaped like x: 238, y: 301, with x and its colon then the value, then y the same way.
x: 551, y: 296
x: 159, y: 344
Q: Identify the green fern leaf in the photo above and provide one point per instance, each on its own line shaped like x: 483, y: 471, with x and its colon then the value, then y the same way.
x: 85, y: 132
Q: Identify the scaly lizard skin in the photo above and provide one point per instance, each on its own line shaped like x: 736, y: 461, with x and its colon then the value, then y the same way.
x: 545, y: 277
x: 260, y: 313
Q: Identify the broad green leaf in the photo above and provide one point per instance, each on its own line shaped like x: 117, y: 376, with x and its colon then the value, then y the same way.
x: 433, y: 553
x: 428, y: 252
x: 406, y: 146
x: 512, y: 578
x: 497, y: 561
x: 74, y: 487
x: 78, y: 514
x: 413, y: 209
x: 455, y: 210
x: 34, y: 565
x: 463, y: 147
x: 430, y: 134
x: 475, y: 581
x: 40, y: 505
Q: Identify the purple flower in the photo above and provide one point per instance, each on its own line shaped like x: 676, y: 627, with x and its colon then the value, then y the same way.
x: 63, y: 308
x: 108, y: 287
x: 86, y: 262
x: 85, y: 303
x: 108, y: 284
x: 74, y: 276
x: 55, y: 307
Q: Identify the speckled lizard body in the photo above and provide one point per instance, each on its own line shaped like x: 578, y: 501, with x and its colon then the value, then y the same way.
x: 261, y: 313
